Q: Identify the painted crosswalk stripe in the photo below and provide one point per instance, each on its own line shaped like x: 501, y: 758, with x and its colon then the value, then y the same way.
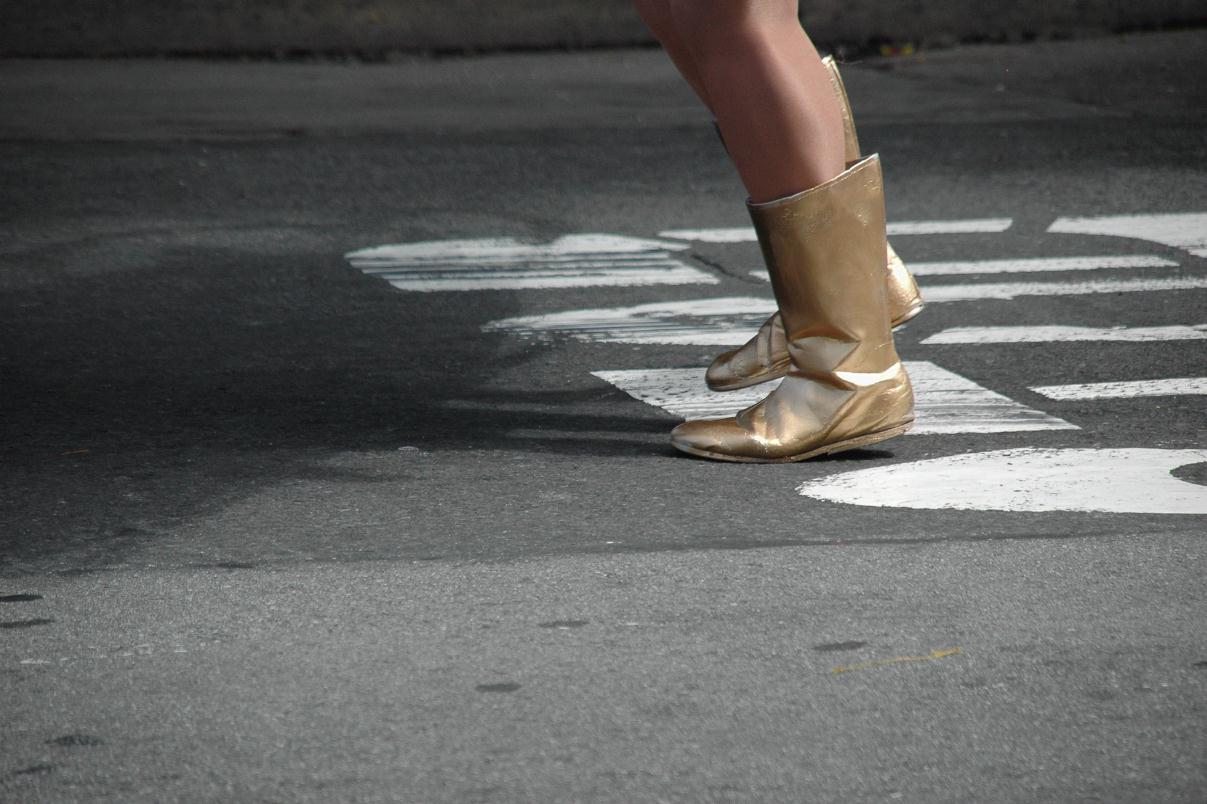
x: 964, y: 226
x: 727, y: 321
x: 946, y: 402
x: 731, y: 321
x: 1031, y: 265
x: 1011, y: 290
x: 1184, y: 230
x: 1132, y: 481
x: 1062, y: 334
x: 1022, y: 266
x: 1172, y: 386
x: 745, y: 234
x: 735, y: 234
x: 581, y: 260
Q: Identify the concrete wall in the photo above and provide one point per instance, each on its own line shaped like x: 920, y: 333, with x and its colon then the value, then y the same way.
x: 375, y: 27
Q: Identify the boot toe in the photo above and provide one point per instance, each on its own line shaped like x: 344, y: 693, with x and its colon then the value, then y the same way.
x: 738, y: 369
x: 721, y: 439
x: 721, y: 374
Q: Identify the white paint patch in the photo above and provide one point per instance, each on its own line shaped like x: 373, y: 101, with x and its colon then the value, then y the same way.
x: 866, y: 379
x: 1035, y: 265
x: 745, y: 234
x: 934, y: 294
x: 1172, y: 386
x: 946, y: 402
x: 1059, y: 334
x: 1181, y: 230
x: 707, y: 322
x: 1124, y: 481
x: 579, y: 260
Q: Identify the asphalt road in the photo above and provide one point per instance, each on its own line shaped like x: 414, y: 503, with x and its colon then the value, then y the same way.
x: 274, y: 530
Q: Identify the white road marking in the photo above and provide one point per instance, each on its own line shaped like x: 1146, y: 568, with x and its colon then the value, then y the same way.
x: 1061, y: 334
x: 1136, y: 481
x: 579, y: 260
x: 1037, y: 264
x: 731, y: 321
x: 735, y: 234
x: 1172, y: 386
x: 709, y: 322
x: 946, y: 402
x: 745, y: 234
x: 1009, y: 290
x: 934, y: 294
x: 964, y: 226
x: 734, y: 320
x: 1180, y: 230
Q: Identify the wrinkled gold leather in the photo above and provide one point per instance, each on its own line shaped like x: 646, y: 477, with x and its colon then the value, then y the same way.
x: 850, y: 139
x: 904, y: 298
x: 845, y: 386
x: 762, y: 358
x: 765, y: 356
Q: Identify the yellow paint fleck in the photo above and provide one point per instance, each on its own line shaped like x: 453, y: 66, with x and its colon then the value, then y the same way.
x: 934, y: 655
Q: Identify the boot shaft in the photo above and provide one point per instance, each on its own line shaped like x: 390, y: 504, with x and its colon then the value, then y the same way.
x: 824, y: 250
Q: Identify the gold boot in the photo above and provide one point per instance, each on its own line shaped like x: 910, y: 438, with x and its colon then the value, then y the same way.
x: 763, y: 357
x: 845, y: 386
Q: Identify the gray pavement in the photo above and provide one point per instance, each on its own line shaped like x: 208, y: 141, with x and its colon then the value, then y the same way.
x: 81, y: 28
x: 274, y: 530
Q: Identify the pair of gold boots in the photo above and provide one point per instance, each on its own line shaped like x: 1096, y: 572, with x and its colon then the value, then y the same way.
x: 840, y: 289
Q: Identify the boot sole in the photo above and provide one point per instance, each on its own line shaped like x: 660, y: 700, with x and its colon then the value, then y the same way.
x: 775, y: 374
x: 909, y: 314
x: 828, y: 449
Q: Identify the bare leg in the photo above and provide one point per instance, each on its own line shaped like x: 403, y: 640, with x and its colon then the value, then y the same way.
x: 761, y: 76
x: 657, y: 16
